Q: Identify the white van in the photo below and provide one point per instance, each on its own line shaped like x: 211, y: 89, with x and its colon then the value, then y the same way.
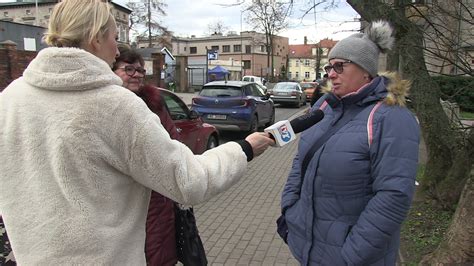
x: 255, y: 79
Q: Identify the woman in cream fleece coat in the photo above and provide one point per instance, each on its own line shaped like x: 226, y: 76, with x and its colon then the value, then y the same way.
x: 80, y: 153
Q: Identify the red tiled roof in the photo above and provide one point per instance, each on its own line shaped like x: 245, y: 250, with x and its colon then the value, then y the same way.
x: 305, y: 50
x: 327, y: 43
x: 300, y: 50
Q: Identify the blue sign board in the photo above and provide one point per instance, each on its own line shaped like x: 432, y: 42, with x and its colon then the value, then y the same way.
x: 212, y: 55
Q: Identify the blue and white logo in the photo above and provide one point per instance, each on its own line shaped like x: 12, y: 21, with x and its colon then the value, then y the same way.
x: 284, y: 133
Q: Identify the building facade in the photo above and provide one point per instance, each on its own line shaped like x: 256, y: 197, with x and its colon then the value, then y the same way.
x: 306, y: 61
x: 29, y: 13
x: 246, y: 51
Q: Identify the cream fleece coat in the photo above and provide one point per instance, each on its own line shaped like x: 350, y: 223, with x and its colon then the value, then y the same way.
x: 79, y: 156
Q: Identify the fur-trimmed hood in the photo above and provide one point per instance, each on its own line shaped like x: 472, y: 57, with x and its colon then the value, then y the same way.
x: 388, y: 86
x: 64, y: 69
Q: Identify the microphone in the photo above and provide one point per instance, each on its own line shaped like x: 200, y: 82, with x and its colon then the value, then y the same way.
x: 284, y: 132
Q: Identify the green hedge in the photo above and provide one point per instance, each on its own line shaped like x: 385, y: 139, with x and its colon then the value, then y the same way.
x: 457, y: 89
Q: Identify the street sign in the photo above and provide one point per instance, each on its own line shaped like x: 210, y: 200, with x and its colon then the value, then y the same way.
x: 212, y: 55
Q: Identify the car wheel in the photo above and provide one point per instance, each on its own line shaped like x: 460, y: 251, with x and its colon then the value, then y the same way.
x: 298, y: 103
x: 212, y: 142
x: 272, y: 119
x: 253, y: 125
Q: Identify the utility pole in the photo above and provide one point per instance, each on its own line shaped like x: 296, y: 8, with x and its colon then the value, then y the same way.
x: 149, y: 24
x: 36, y: 15
x: 241, y: 44
x: 207, y: 66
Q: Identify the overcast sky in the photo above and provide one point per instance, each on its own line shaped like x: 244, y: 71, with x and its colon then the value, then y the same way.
x: 192, y: 17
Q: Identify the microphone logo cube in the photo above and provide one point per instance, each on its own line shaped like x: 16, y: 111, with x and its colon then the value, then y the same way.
x: 282, y: 132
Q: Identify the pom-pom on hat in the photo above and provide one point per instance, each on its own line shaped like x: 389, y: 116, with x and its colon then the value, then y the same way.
x: 363, y: 49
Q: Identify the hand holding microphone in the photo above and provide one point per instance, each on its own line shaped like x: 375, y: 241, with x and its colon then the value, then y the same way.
x: 285, y: 131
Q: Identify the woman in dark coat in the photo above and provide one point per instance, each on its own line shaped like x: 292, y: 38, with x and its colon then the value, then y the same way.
x: 160, y: 246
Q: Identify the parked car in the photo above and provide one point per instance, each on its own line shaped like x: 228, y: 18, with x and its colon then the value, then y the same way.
x: 258, y: 80
x: 196, y: 134
x: 288, y: 93
x: 309, y: 88
x: 235, y: 105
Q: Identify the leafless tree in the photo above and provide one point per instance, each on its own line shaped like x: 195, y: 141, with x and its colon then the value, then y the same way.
x: 217, y: 27
x: 145, y: 15
x: 269, y: 17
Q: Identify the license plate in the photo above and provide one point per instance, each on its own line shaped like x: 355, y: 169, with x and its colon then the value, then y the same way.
x: 281, y: 93
x: 217, y: 117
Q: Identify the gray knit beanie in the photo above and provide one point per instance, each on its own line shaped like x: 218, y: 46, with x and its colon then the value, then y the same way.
x: 363, y: 49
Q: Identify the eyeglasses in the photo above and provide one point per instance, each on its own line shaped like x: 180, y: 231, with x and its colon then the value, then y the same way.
x: 130, y: 70
x: 338, y: 67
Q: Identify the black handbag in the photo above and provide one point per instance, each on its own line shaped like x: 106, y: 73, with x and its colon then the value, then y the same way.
x: 189, y: 247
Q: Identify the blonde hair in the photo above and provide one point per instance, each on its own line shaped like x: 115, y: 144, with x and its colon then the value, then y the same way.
x: 75, y: 22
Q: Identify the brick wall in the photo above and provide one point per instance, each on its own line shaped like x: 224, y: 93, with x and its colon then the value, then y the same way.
x: 12, y: 62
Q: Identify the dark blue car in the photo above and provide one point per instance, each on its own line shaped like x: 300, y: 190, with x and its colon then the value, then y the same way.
x: 235, y: 105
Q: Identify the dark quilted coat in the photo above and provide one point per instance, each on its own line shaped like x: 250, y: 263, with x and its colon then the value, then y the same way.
x: 353, y: 198
x: 160, y: 243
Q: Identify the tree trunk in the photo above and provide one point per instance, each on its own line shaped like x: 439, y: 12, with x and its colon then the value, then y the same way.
x: 272, y: 59
x: 457, y: 246
x: 269, y: 51
x: 442, y: 178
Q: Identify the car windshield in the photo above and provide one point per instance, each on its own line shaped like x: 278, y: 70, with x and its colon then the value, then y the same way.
x: 220, y: 91
x: 284, y: 87
x: 308, y: 85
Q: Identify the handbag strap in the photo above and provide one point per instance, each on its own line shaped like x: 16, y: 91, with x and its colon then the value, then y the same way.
x: 320, y: 142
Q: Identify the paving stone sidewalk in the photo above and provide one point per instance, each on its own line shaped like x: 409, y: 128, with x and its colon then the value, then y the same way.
x: 238, y: 227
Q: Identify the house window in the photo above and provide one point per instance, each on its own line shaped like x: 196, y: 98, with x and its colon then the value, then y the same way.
x: 297, y: 74
x: 193, y: 50
x: 247, y: 64
x: 122, y: 34
x: 289, y: 75
x: 248, y: 49
x: 5, y: 14
x: 226, y: 48
x: 215, y: 48
x: 297, y: 63
x: 306, y: 62
x: 421, y: 2
x: 306, y: 74
x: 289, y: 63
x: 28, y: 12
x: 237, y: 48
x: 262, y: 48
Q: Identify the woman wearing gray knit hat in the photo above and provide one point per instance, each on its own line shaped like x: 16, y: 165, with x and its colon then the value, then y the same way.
x: 353, y: 178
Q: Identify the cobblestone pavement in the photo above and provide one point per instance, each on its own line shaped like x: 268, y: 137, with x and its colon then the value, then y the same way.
x: 238, y: 226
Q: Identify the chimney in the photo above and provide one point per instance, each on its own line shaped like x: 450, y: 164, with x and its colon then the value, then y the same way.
x: 305, y: 40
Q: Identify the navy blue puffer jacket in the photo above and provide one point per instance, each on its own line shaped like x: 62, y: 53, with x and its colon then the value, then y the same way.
x: 358, y: 187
